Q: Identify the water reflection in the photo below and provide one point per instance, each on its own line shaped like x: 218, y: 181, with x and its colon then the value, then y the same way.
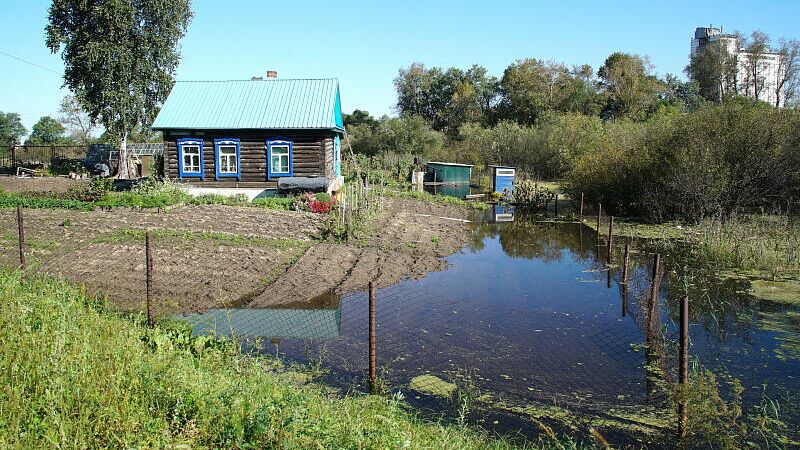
x: 319, y: 318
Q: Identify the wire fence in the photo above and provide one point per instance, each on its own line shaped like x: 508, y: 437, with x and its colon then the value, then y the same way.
x: 441, y: 342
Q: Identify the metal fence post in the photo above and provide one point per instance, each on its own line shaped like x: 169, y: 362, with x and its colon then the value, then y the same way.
x: 610, y: 238
x: 683, y: 374
x: 372, y: 370
x: 556, y: 205
x: 149, y: 268
x: 21, y: 225
x: 581, y: 209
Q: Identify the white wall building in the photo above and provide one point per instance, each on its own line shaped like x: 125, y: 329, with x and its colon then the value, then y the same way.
x: 768, y: 66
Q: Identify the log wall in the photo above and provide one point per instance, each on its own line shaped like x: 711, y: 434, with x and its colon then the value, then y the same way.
x: 312, y: 154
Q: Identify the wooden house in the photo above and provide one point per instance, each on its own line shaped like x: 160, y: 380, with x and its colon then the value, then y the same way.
x: 253, y: 136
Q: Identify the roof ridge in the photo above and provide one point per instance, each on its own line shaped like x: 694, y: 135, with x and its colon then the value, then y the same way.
x: 258, y: 79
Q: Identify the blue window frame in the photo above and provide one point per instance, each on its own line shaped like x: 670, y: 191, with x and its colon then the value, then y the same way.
x: 279, y: 158
x: 190, y: 158
x: 227, y: 158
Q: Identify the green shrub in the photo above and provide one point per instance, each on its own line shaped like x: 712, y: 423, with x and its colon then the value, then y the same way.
x: 152, y: 193
x: 713, y: 162
x: 323, y: 197
x: 529, y: 196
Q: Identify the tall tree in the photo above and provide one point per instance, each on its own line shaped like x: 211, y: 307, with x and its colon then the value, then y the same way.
x: 714, y: 71
x: 788, y: 71
x: 755, y: 64
x: 120, y: 58
x: 75, y: 120
x: 11, y: 129
x: 632, y: 89
x: 47, y: 131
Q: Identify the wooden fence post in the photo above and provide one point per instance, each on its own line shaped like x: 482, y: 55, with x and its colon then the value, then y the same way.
x: 683, y: 374
x: 581, y: 209
x: 21, y: 225
x: 149, y: 268
x: 372, y: 369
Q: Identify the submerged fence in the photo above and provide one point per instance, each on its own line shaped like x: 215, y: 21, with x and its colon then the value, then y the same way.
x: 449, y: 349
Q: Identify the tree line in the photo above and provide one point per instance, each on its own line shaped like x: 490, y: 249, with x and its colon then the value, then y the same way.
x: 641, y: 144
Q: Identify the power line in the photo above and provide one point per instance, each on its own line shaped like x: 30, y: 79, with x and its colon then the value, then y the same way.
x: 28, y: 62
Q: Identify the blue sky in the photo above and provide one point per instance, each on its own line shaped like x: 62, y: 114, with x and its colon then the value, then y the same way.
x: 364, y: 43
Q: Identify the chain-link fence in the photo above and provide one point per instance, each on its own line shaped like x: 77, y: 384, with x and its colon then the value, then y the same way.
x: 480, y: 337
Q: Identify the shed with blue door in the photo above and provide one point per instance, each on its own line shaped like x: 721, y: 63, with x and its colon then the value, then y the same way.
x: 249, y: 136
x: 502, y: 178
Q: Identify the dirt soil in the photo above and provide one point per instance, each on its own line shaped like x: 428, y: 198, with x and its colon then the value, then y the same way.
x: 409, y: 240
x: 215, y: 256
x: 204, y: 256
x: 38, y: 184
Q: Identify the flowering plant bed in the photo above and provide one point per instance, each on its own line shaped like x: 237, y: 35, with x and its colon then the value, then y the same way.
x: 320, y: 203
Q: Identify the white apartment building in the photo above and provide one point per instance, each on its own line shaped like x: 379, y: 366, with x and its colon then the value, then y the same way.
x: 768, y: 65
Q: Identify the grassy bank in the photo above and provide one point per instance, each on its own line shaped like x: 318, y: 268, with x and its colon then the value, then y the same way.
x: 77, y: 376
x: 428, y: 197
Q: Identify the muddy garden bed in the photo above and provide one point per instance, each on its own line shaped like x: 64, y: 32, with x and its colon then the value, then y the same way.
x: 216, y: 256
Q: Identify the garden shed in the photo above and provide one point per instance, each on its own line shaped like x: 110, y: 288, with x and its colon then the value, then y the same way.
x: 253, y: 136
x: 502, y: 178
x: 448, y: 173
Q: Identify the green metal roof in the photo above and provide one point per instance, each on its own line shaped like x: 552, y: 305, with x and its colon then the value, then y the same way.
x: 272, y: 103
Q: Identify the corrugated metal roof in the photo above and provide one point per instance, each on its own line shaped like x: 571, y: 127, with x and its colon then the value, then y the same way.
x: 272, y: 103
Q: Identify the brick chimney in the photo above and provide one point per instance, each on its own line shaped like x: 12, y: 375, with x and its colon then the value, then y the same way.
x: 272, y: 74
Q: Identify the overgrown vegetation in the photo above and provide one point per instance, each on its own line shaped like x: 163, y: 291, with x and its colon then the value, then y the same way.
x: 136, y: 387
x: 12, y: 200
x: 717, y: 422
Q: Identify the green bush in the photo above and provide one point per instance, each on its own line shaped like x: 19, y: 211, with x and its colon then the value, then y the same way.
x: 529, y: 196
x: 323, y: 197
x: 713, y: 162
x: 152, y: 193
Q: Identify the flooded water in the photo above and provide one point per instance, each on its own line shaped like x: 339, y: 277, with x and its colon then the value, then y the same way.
x: 529, y: 313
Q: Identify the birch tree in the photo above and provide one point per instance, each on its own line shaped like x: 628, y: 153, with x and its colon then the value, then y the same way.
x: 120, y: 58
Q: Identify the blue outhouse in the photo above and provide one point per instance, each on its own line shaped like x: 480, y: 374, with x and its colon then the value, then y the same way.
x: 502, y: 178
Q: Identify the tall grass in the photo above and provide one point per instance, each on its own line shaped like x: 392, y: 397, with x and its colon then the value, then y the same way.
x: 76, y: 376
x: 768, y: 243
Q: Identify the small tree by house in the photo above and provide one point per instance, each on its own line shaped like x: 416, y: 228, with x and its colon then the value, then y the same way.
x: 120, y: 58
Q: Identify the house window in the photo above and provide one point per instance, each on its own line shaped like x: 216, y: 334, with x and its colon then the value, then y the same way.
x: 190, y: 158
x: 337, y: 156
x: 226, y: 157
x: 279, y: 157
